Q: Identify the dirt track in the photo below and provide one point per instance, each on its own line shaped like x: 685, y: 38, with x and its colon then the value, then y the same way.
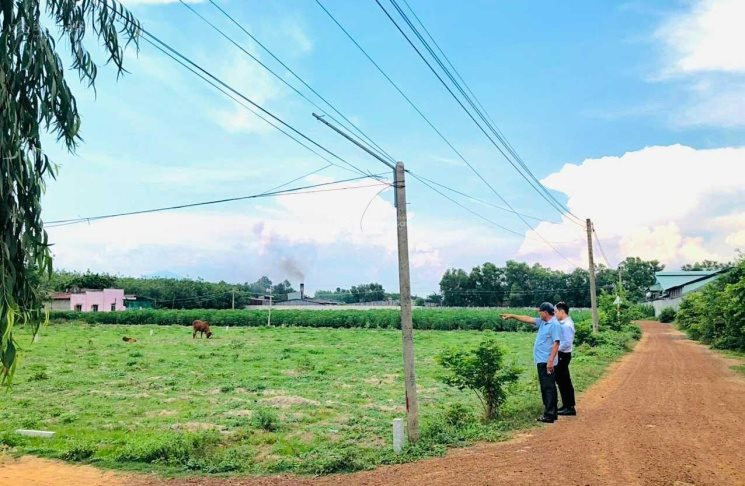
x: 671, y: 412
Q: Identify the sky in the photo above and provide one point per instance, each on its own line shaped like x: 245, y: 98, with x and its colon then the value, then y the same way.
x: 631, y: 113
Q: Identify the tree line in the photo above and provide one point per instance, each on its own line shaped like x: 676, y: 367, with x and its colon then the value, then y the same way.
x: 172, y: 293
x: 518, y: 284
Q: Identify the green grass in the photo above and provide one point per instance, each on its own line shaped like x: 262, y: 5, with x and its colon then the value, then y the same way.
x: 251, y: 400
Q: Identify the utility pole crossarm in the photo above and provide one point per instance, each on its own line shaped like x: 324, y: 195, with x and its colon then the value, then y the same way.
x: 366, y: 149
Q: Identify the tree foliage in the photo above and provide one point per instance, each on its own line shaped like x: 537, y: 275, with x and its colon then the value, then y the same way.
x: 716, y: 314
x: 706, y: 265
x: 482, y: 371
x: 518, y: 284
x: 36, y: 99
x: 370, y: 292
x: 171, y: 293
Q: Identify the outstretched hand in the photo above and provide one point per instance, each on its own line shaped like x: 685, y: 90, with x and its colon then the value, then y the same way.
x: 505, y: 316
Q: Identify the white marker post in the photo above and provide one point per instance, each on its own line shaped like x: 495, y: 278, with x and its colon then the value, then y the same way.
x: 398, y: 435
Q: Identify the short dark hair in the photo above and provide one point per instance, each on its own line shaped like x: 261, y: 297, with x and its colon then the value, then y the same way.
x: 563, y: 306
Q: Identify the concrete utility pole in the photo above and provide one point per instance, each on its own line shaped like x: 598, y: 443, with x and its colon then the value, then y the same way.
x: 233, y: 304
x: 269, y: 317
x: 593, y: 294
x: 404, y: 282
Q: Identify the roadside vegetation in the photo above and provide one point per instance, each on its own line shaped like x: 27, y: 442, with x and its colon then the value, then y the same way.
x: 715, y: 315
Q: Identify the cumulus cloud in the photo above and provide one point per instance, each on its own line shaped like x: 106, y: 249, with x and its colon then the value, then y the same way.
x: 707, y: 37
x: 703, y: 48
x: 673, y: 203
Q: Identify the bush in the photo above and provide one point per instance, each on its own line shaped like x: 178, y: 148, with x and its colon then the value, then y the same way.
x: 458, y: 415
x: 667, y: 315
x: 266, y: 419
x: 620, y: 339
x: 78, y: 452
x: 481, y: 371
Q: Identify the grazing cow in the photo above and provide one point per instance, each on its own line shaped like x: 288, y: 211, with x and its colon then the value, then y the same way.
x: 129, y: 339
x: 201, y: 327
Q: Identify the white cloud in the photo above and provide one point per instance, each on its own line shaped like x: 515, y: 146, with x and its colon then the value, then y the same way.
x: 257, y: 84
x: 708, y: 37
x: 704, y: 50
x: 673, y: 203
x: 261, y: 234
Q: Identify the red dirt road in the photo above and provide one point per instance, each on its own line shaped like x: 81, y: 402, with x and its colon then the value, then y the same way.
x: 671, y: 412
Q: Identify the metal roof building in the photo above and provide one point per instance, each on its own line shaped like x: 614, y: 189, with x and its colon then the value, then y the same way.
x: 670, y: 287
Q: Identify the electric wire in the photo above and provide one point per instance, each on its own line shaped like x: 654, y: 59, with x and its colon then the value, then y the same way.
x: 257, y: 60
x: 437, y: 131
x: 298, y: 190
x: 299, y: 78
x: 468, y: 112
x: 538, y: 185
x: 153, y: 38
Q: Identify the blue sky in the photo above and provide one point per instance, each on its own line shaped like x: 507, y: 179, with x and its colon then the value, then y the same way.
x: 619, y: 107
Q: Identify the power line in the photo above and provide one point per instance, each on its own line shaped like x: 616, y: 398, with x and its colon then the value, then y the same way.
x: 440, y: 134
x: 299, y: 78
x: 297, y: 190
x: 487, y: 203
x: 600, y: 247
x: 545, y: 194
x: 470, y: 115
x: 151, y: 37
x: 256, y: 59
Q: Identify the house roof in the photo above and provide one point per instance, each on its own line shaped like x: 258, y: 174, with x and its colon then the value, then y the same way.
x: 59, y: 296
x: 667, y: 280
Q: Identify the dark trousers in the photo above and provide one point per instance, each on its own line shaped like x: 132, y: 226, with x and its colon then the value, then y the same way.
x: 548, y: 390
x: 564, y: 380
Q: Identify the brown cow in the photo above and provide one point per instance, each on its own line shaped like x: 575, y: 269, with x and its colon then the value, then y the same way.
x: 201, y: 327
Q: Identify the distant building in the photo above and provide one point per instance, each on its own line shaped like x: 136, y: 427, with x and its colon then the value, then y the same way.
x: 133, y: 302
x: 106, y: 300
x: 670, y: 287
x: 300, y: 299
x: 58, y: 301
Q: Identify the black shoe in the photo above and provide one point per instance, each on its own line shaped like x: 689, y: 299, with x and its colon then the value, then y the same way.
x: 567, y: 411
x: 545, y: 420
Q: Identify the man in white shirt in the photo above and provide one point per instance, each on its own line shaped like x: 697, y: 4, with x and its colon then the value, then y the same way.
x: 563, y: 378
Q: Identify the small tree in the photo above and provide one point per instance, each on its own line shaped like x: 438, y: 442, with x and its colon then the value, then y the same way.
x: 480, y: 370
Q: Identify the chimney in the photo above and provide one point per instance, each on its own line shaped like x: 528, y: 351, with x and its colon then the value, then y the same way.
x: 302, y: 291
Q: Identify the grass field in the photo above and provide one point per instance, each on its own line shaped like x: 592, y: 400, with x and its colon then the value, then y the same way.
x: 256, y: 400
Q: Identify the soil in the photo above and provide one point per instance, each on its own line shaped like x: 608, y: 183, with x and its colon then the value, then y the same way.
x: 671, y: 412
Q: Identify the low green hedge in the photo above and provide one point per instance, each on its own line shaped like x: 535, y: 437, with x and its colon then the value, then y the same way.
x: 436, y: 319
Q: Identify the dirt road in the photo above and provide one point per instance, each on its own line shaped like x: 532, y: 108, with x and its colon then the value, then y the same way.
x: 671, y: 412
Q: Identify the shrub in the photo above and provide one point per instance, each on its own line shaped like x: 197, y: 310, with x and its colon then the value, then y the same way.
x: 667, y: 315
x: 458, y: 415
x: 266, y: 419
x: 78, y: 452
x: 481, y: 371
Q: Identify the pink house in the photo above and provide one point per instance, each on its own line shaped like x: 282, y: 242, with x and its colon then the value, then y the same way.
x: 106, y: 300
